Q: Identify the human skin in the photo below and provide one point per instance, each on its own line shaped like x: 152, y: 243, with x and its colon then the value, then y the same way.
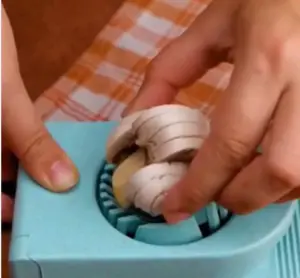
x: 261, y: 105
x: 24, y: 135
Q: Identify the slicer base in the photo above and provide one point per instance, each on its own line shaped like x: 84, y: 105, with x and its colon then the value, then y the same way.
x: 66, y: 235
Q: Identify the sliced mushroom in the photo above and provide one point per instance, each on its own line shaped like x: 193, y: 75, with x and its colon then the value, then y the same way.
x: 156, y: 207
x: 170, y: 135
x: 178, y: 149
x: 167, y: 138
x: 157, y: 111
x: 150, y: 182
x: 149, y: 198
x: 124, y: 173
x: 156, y: 124
x: 121, y: 139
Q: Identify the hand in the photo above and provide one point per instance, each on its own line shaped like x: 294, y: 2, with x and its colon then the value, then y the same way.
x: 260, y: 106
x: 24, y: 133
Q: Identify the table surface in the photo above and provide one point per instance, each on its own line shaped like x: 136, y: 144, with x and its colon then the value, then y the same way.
x: 49, y: 43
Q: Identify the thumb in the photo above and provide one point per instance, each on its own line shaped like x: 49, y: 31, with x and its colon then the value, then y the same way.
x: 32, y: 144
x: 24, y: 131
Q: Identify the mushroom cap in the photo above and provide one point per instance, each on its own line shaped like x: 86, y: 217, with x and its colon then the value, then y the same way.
x: 167, y: 138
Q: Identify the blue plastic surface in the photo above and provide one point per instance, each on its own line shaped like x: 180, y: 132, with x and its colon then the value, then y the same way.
x: 66, y: 235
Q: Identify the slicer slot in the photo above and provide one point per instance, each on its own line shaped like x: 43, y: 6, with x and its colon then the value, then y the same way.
x: 139, y: 225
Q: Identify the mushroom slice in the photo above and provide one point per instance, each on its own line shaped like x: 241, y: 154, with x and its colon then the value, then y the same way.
x: 173, y: 135
x: 146, y: 198
x: 171, y: 132
x: 156, y: 206
x: 148, y: 183
x: 154, y: 125
x: 124, y: 173
x: 160, y: 110
x: 122, y: 138
x: 178, y: 149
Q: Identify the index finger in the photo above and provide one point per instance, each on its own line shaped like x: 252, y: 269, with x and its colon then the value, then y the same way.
x: 183, y: 61
x: 237, y: 127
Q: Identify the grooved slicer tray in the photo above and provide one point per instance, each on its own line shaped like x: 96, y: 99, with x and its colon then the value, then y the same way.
x: 85, y: 234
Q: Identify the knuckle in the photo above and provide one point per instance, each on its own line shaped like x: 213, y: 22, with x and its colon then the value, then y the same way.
x: 36, y: 145
x: 261, y: 65
x: 280, y: 170
x: 273, y: 52
x: 280, y: 49
x: 232, y: 150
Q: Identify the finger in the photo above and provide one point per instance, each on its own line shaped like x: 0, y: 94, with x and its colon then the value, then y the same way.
x: 203, y: 46
x: 294, y: 195
x: 236, y: 130
x: 24, y: 131
x: 274, y: 175
x: 27, y: 137
x: 253, y: 189
x: 7, y: 208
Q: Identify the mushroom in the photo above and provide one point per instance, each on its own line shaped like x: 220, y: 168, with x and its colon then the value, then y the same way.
x: 121, y: 139
x: 151, y: 182
x: 124, y: 173
x: 158, y: 144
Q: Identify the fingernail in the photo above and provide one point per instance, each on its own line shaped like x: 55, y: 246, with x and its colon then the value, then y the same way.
x: 63, y: 176
x: 176, y: 217
x: 172, y: 207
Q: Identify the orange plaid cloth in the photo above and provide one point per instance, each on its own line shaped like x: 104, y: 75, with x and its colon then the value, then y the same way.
x: 108, y: 75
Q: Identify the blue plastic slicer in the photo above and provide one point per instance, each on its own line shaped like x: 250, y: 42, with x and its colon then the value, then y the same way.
x: 84, y: 234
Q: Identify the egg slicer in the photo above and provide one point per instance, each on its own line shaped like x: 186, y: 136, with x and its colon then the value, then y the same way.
x: 84, y: 234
